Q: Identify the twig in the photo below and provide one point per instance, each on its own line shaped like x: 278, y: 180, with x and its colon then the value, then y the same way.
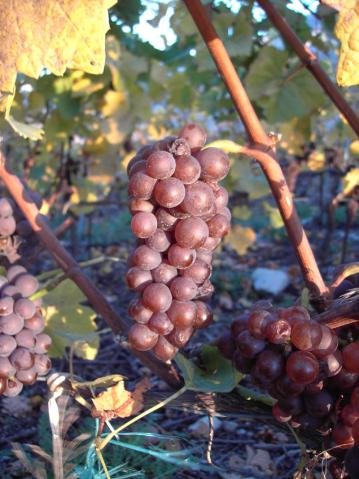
x: 73, y: 270
x: 310, y: 61
x: 262, y: 150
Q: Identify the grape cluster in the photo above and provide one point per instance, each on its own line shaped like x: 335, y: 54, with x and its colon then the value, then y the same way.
x: 302, y: 364
x: 23, y: 345
x: 179, y: 215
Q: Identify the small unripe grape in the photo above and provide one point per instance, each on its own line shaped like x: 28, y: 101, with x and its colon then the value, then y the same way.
x: 141, y: 337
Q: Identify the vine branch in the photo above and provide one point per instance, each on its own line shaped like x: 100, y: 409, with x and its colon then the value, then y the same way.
x: 310, y: 61
x: 262, y: 149
x: 73, y: 270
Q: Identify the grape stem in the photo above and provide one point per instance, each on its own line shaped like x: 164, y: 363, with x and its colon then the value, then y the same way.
x: 73, y: 271
x: 262, y: 148
x: 310, y: 61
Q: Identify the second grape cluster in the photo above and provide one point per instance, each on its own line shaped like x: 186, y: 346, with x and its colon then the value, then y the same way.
x: 180, y: 215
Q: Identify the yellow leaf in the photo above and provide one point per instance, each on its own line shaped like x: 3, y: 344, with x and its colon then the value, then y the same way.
x: 33, y: 131
x: 51, y: 34
x: 113, y: 100
x: 117, y: 398
x: 347, y: 31
x: 240, y: 238
x: 69, y: 322
x: 350, y: 181
x: 275, y: 218
x: 228, y: 146
x: 354, y: 148
x: 316, y: 160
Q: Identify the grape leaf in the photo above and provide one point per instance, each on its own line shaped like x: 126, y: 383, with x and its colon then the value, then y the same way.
x: 219, y: 375
x: 350, y: 181
x: 347, y: 31
x: 51, y: 34
x: 241, y: 238
x: 69, y: 322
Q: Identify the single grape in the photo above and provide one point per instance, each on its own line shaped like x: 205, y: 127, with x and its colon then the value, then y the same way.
x: 7, y: 226
x: 226, y: 345
x: 343, y: 380
x: 302, y: 367
x: 279, y: 414
x: 214, y: 164
x: 248, y: 345
x: 199, y: 199
x: 42, y: 364
x: 26, y: 339
x: 191, y: 232
x: 27, y: 376
x: 330, y: 365
x: 6, y: 368
x: 199, y: 272
x: 270, y: 365
x: 11, y: 324
x: 146, y: 150
x: 204, y: 315
x: 141, y: 337
x: 258, y: 321
x: 319, y: 405
x: 306, y: 335
x: 328, y: 343
x: 139, y: 312
x: 179, y: 257
x: 137, y: 278
x: 143, y: 225
x: 218, y: 226
x: 164, y: 273
x: 138, y: 167
x: 160, y: 323
x: 205, y: 256
x: 286, y: 387
x: 14, y: 388
x: 205, y: 290
x: 10, y: 290
x: 195, y: 135
x: 7, y: 345
x: 157, y: 297
x: 6, y: 207
x: 179, y: 337
x: 42, y: 343
x: 294, y: 313
x: 243, y: 364
x: 188, y: 169
x: 351, y: 357
x: 146, y: 258
x: 135, y: 206
x: 14, y: 271
x: 160, y: 165
x: 169, y: 193
x: 278, y: 331
x: 182, y: 314
x: 160, y: 241
x: 22, y: 358
x: 24, y: 308
x: 220, y: 197
x: 26, y: 284
x: 342, y: 436
x: 6, y: 305
x: 183, y: 289
x: 36, y: 324
x: 349, y: 415
x: 165, y: 220
x: 141, y: 186
x: 224, y: 211
x: 164, y: 350
x: 210, y: 244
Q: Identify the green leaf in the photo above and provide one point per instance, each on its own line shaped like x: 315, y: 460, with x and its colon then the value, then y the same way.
x: 33, y: 131
x: 250, y: 178
x: 219, y: 375
x: 69, y: 322
x: 275, y: 218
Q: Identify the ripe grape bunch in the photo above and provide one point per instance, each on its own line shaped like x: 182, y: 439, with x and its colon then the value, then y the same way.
x: 23, y: 345
x: 179, y: 215
x: 302, y: 364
